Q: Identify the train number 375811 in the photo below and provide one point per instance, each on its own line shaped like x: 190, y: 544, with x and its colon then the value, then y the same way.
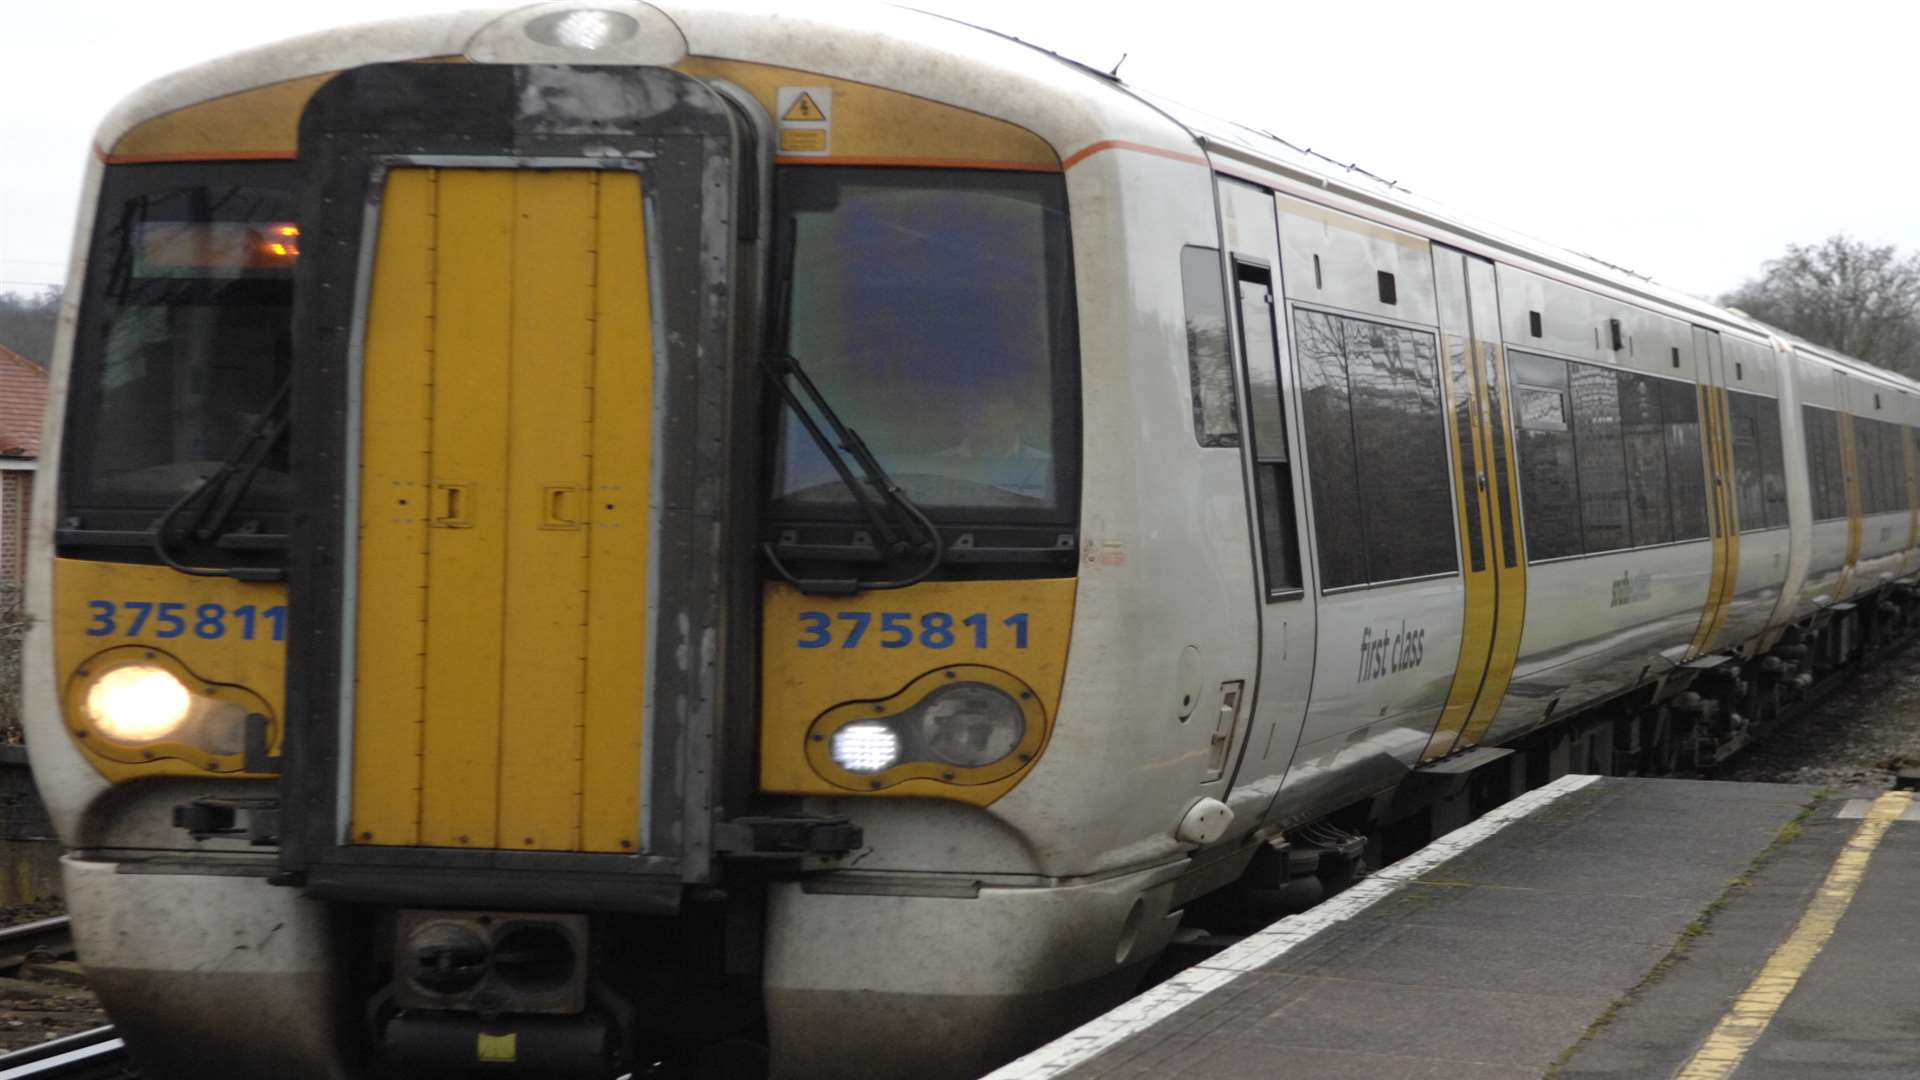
x: 170, y: 619
x: 899, y: 629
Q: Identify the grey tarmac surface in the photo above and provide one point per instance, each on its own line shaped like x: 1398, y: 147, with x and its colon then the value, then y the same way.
x: 1603, y: 936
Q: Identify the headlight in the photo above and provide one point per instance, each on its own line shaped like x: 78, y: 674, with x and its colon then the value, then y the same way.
x: 971, y: 724
x: 135, y: 705
x: 866, y: 747
x: 586, y: 29
x: 138, y: 703
x: 965, y: 724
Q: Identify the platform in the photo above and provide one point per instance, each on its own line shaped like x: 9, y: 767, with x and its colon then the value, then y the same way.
x: 1596, y: 927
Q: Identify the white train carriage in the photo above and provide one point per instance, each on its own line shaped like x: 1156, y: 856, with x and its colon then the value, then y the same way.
x: 1319, y: 501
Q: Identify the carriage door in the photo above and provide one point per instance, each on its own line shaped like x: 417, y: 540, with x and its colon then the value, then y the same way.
x: 1722, y: 505
x: 495, y: 300
x: 1492, y: 564
x: 508, y: 315
x: 1255, y: 742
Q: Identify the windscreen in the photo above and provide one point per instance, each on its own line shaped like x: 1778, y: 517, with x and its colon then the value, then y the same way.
x: 934, y: 310
x: 184, y: 337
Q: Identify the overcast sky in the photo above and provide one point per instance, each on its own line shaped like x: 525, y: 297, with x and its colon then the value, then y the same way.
x: 1688, y: 142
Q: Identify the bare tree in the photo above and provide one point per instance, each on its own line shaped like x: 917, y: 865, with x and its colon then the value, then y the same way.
x: 27, y: 322
x: 1844, y: 294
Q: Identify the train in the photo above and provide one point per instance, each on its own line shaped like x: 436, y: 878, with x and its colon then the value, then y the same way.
x: 706, y: 538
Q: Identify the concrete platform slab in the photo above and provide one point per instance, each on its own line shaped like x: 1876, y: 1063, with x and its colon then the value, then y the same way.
x: 1596, y: 928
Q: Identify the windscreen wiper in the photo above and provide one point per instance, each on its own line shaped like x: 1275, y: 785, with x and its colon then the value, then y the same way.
x: 783, y: 372
x: 222, y: 490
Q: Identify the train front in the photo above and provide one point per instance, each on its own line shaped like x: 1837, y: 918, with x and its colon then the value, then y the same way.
x: 467, y: 626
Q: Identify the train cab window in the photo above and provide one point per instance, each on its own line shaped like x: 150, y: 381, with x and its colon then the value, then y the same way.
x: 1549, y: 482
x: 1273, y: 469
x: 1216, y: 418
x: 934, y: 310
x: 185, y: 340
x: 1376, y: 438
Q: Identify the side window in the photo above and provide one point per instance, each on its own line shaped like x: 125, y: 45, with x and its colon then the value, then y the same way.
x: 1549, y: 486
x: 1816, y: 460
x: 1866, y: 458
x: 1686, y: 462
x: 1603, y: 468
x: 1773, y: 464
x: 1608, y: 459
x: 1893, y: 471
x: 1642, y: 438
x: 1266, y: 408
x: 1370, y: 394
x: 1748, y: 473
x: 1826, y: 468
x: 1216, y: 419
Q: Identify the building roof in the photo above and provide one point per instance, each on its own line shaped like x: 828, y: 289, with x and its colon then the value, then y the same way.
x: 23, y: 398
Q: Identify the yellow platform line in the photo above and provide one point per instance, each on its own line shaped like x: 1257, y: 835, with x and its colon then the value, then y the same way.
x: 1754, y: 1009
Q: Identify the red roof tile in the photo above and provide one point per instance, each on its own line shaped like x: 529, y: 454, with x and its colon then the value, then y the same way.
x: 23, y: 397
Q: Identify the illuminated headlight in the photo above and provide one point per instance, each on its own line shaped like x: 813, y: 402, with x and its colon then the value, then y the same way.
x: 138, y: 703
x: 866, y: 747
x: 971, y: 724
x: 586, y: 29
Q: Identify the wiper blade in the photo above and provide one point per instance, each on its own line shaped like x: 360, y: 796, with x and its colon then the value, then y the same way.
x: 843, y: 443
x: 223, y: 489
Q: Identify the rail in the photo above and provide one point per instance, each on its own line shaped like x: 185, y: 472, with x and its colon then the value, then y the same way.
x: 98, y: 1054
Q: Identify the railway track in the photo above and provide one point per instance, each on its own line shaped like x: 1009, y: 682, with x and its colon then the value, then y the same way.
x: 42, y: 947
x: 91, y: 1055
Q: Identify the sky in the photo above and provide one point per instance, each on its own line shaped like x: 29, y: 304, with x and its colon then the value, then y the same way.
x: 1687, y: 141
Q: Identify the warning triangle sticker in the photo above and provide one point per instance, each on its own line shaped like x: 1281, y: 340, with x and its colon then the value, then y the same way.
x: 803, y: 108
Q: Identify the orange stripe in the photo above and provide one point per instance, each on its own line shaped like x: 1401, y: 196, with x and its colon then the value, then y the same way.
x: 1121, y: 144
x: 198, y: 155
x: 918, y: 163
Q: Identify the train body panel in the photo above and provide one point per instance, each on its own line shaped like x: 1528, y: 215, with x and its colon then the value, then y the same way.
x: 1250, y: 487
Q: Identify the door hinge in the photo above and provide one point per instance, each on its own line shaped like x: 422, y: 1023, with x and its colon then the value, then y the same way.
x: 789, y: 837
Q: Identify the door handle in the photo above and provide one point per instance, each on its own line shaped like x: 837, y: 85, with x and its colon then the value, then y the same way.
x: 559, y: 506
x: 452, y: 505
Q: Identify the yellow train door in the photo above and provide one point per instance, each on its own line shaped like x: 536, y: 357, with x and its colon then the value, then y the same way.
x: 499, y: 652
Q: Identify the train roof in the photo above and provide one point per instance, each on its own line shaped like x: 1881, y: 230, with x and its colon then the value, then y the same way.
x: 957, y: 63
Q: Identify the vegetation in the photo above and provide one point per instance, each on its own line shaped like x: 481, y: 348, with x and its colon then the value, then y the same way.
x: 27, y: 323
x: 1843, y: 294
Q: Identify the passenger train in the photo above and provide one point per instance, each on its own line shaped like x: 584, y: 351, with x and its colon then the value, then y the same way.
x: 609, y: 537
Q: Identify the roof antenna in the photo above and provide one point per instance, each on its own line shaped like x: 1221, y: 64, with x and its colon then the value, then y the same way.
x: 1115, y: 73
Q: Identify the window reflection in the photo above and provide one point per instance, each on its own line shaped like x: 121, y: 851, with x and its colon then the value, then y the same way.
x: 187, y: 333
x: 933, y: 310
x: 1377, y: 451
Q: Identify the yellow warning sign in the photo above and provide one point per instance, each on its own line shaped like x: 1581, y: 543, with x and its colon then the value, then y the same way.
x: 497, y: 1047
x: 803, y: 140
x: 803, y: 109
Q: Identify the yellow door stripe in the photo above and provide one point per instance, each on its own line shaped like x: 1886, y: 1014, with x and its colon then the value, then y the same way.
x: 1465, y: 418
x: 1720, y: 523
x: 1510, y: 620
x: 1756, y: 1006
x: 1730, y: 500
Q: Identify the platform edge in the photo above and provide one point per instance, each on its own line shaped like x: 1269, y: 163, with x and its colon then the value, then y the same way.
x: 1083, y: 1043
